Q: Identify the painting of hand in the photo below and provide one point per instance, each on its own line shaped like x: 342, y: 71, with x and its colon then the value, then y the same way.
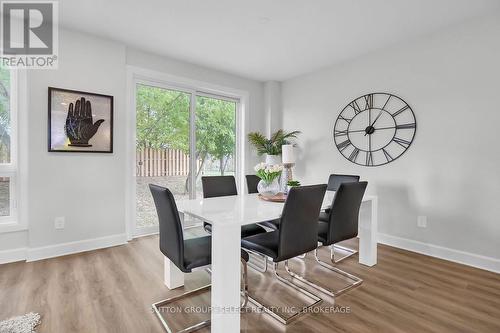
x: 80, y: 126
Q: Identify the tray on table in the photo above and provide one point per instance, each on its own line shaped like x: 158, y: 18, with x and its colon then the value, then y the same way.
x: 280, y: 197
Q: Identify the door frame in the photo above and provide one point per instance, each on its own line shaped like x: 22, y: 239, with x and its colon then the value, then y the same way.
x: 137, y: 75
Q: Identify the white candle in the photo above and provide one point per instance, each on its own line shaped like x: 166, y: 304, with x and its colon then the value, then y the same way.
x: 288, y: 157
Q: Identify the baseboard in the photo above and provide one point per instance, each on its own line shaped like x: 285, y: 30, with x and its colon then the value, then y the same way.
x: 146, y: 231
x: 44, y: 252
x: 13, y: 255
x: 38, y: 253
x: 461, y: 257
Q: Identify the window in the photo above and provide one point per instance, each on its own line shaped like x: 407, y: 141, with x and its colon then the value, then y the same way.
x: 215, y: 138
x: 8, y: 144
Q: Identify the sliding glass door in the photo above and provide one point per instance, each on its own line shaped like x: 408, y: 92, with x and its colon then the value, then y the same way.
x: 215, y: 138
x: 171, y: 126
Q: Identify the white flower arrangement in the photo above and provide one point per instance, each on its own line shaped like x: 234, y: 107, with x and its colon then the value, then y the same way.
x: 268, y: 173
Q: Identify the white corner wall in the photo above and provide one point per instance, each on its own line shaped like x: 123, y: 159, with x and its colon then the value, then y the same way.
x: 451, y: 172
x: 272, y: 106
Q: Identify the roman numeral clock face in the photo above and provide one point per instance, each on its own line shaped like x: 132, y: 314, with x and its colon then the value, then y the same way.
x: 375, y: 129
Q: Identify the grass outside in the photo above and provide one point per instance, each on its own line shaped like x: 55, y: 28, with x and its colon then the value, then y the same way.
x: 146, y: 211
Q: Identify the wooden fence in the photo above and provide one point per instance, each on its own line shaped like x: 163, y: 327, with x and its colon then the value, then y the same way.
x: 161, y: 162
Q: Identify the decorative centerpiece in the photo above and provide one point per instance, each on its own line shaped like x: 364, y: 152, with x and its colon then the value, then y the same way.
x: 271, y: 147
x: 269, y: 175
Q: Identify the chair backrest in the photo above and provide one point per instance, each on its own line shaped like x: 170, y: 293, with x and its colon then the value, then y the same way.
x: 218, y: 186
x: 344, y: 214
x: 252, y: 182
x: 335, y: 180
x: 298, y: 231
x: 171, y: 237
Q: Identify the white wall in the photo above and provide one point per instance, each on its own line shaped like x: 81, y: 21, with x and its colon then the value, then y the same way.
x: 89, y: 189
x: 451, y: 171
x: 13, y: 240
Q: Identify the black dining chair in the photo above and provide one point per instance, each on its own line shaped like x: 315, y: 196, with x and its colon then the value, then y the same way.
x: 334, y: 182
x: 221, y: 186
x: 298, y: 234
x: 218, y: 186
x: 252, y: 182
x: 186, y: 254
x: 342, y: 225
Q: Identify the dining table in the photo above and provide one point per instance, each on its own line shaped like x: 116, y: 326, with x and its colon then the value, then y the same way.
x: 226, y: 215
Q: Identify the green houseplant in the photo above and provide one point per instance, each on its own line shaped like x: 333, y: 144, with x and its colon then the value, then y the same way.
x: 292, y: 183
x: 271, y: 146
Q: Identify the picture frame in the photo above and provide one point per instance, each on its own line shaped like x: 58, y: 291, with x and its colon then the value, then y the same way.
x: 79, y: 121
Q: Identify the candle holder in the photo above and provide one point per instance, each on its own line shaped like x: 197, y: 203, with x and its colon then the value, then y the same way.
x: 286, y: 176
x: 288, y: 158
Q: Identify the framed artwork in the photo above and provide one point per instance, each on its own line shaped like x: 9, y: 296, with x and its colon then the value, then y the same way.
x: 80, y: 122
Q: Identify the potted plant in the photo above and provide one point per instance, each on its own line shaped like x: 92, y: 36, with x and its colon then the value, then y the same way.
x: 269, y: 176
x: 272, y: 146
x: 292, y: 183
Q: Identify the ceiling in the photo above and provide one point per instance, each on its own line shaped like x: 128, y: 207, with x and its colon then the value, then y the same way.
x: 266, y: 39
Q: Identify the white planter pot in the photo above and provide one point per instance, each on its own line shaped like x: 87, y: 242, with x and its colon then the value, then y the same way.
x: 273, y: 159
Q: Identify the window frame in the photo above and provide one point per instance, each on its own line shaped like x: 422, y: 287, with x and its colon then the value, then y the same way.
x: 138, y: 75
x: 15, y: 221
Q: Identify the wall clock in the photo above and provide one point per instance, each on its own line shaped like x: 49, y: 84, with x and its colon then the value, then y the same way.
x: 374, y: 129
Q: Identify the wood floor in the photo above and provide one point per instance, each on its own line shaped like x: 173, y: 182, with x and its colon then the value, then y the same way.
x: 111, y: 290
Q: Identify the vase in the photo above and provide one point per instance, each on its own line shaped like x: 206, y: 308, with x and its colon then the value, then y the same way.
x: 273, y: 159
x: 268, y: 189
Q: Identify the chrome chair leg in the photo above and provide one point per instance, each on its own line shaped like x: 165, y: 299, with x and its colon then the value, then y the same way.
x: 356, y: 280
x: 245, y: 284
x: 158, y: 305
x: 263, y: 267
x: 308, y: 282
x: 346, y: 249
x: 244, y: 279
x: 276, y: 315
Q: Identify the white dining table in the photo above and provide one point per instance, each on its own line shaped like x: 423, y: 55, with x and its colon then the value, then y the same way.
x: 227, y: 215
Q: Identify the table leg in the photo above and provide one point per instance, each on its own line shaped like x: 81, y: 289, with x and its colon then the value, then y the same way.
x: 226, y: 278
x: 173, y: 277
x: 368, y: 229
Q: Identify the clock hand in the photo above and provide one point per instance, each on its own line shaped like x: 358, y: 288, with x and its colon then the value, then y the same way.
x: 379, y: 114
x: 384, y: 128
x: 378, y: 129
x: 354, y: 131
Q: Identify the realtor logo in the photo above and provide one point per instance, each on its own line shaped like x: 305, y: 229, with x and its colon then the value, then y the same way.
x: 29, y: 34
